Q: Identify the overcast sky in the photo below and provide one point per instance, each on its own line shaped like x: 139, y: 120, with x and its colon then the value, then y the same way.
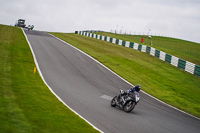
x: 174, y: 18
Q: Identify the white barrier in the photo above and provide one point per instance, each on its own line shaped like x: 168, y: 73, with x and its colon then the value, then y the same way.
x: 103, y: 37
x: 94, y: 35
x: 162, y: 55
x: 114, y: 40
x: 136, y: 46
x: 144, y: 47
x: 98, y: 37
x: 120, y: 42
x: 108, y: 39
x: 152, y: 52
x: 174, y: 61
x: 127, y: 44
x: 189, y: 67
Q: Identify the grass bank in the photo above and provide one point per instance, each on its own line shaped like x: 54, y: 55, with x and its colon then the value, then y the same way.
x: 186, y: 50
x: 26, y: 104
x: 158, y: 78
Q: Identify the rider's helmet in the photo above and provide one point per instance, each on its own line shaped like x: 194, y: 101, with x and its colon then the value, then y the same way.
x: 122, y: 92
x: 137, y: 88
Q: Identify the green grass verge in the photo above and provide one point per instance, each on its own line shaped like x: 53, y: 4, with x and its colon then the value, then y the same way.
x: 158, y: 78
x: 26, y: 104
x: 186, y: 50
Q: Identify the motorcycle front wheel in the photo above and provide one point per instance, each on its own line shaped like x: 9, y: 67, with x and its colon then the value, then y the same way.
x: 113, y: 103
x: 129, y: 106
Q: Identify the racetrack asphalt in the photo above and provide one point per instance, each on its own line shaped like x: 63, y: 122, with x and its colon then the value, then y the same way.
x: 86, y: 87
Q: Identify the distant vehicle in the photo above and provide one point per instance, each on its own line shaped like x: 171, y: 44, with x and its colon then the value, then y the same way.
x: 20, y: 23
x: 30, y: 27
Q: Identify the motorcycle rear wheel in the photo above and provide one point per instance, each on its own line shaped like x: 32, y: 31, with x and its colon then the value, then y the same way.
x: 129, y: 106
x: 113, y: 103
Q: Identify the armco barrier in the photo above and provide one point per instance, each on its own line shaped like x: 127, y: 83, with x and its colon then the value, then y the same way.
x: 190, y: 67
x: 111, y: 40
x: 197, y: 70
x: 117, y: 41
x: 175, y: 61
x: 181, y: 64
x: 123, y: 43
x: 139, y: 47
x: 131, y: 45
x: 148, y: 50
x: 168, y: 58
x: 105, y: 38
x: 157, y: 53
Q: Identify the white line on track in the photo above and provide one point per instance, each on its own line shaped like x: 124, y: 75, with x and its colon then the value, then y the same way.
x: 106, y: 97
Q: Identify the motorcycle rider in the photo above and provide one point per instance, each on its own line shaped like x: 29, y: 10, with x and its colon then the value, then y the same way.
x: 129, y: 91
x: 133, y: 89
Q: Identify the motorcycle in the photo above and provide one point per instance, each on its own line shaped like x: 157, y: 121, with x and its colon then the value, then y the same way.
x: 126, y: 101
